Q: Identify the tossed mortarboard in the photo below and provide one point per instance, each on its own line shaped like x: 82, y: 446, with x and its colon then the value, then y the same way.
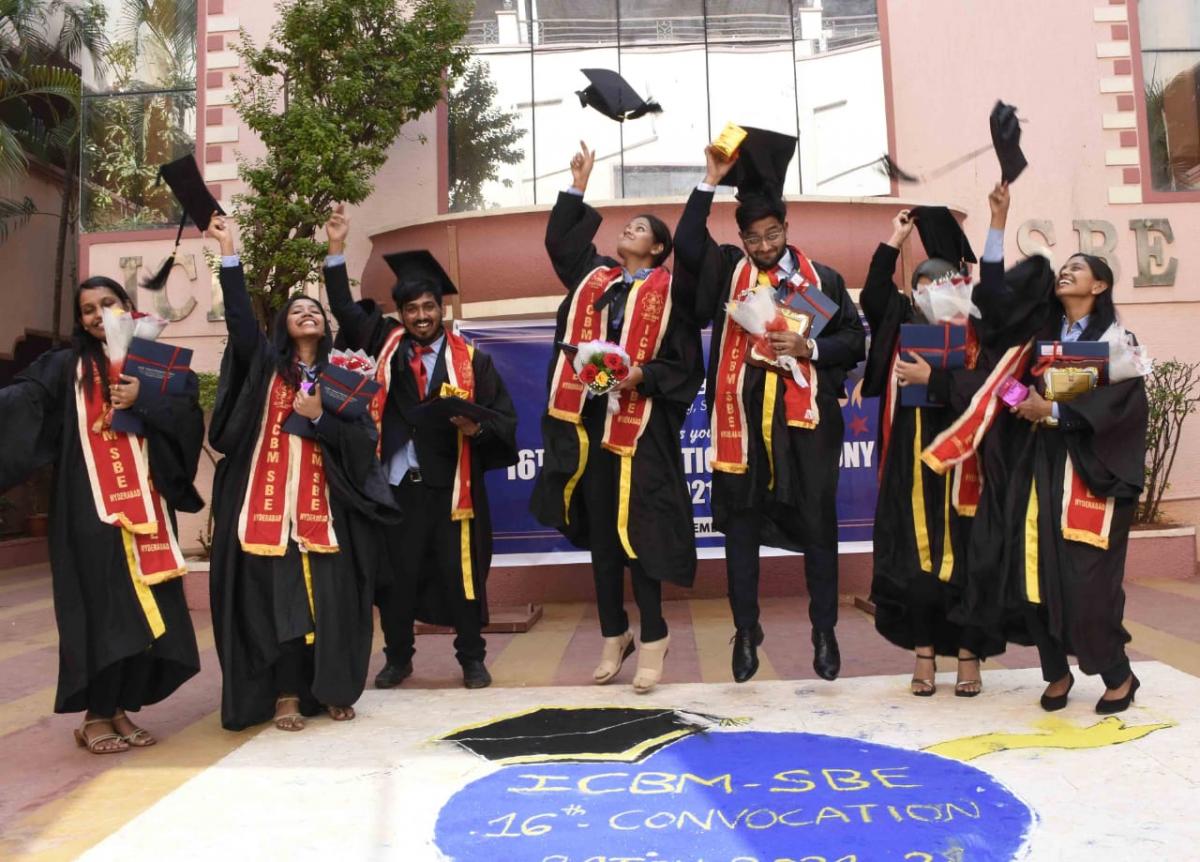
x: 762, y: 163
x: 627, y: 734
x: 184, y: 179
x: 942, y: 235
x: 416, y: 272
x: 611, y: 95
x: 1006, y: 141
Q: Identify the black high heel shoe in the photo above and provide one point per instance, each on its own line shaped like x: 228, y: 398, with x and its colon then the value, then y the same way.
x: 1053, y: 704
x: 1108, y: 707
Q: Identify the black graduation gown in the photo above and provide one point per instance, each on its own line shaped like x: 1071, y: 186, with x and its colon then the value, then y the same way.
x: 100, y: 621
x: 661, y: 529
x: 801, y: 510
x: 900, y: 586
x: 1104, y: 435
x: 259, y: 602
x: 437, y: 450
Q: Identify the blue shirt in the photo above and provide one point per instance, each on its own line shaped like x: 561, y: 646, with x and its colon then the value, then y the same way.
x: 1069, y: 332
x: 405, y: 458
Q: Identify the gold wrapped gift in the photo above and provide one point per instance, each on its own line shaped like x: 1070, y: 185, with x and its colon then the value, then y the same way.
x: 797, y: 322
x: 1067, y: 383
x: 729, y: 140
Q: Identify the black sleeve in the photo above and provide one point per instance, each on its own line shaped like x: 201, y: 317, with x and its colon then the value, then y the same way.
x: 569, y: 234
x: 496, y: 444
x: 245, y: 337
x: 846, y: 346
x: 699, y: 256
x: 352, y: 467
x: 676, y: 372
x: 879, y: 294
x: 174, y: 436
x: 31, y: 417
x: 1105, y: 434
x: 354, y: 324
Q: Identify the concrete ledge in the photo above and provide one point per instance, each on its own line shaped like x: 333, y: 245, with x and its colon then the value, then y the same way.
x: 1163, y: 553
x: 23, y: 551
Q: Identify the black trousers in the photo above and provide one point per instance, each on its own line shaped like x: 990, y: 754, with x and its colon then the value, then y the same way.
x: 121, y: 685
x: 294, y: 668
x: 742, y: 544
x: 426, y: 545
x: 1052, y: 655
x: 609, y: 558
x: 927, y: 612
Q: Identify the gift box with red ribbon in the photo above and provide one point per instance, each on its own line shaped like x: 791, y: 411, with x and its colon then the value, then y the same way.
x: 942, y: 345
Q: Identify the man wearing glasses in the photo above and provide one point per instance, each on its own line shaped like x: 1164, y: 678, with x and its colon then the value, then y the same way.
x: 777, y: 434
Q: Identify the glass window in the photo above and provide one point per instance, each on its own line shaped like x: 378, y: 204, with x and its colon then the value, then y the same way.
x: 139, y: 111
x: 1170, y: 37
x: 661, y: 22
x: 749, y: 20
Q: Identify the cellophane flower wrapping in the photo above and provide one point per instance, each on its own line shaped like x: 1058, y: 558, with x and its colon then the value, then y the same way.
x: 353, y: 360
x: 147, y: 326
x: 1126, y: 358
x: 600, y: 366
x: 947, y: 300
x: 757, y: 313
x: 119, y: 326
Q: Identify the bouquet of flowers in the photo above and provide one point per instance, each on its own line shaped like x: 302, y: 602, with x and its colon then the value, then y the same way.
x: 600, y: 366
x: 1126, y: 358
x: 757, y: 313
x: 353, y: 360
x: 947, y: 300
x: 120, y: 328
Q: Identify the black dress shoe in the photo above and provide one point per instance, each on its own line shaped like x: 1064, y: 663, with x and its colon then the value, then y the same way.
x: 393, y: 674
x: 475, y: 675
x: 1057, y: 702
x: 827, y: 659
x: 1108, y: 707
x: 745, y: 652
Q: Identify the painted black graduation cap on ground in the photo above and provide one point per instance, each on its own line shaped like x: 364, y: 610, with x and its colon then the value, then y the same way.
x: 417, y: 272
x: 184, y: 179
x: 1006, y: 142
x: 626, y: 734
x: 762, y: 163
x: 942, y: 235
x: 611, y: 95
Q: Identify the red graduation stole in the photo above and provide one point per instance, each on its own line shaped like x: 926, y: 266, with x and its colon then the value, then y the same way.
x: 584, y: 323
x: 125, y: 497
x: 729, y: 412
x: 286, y: 495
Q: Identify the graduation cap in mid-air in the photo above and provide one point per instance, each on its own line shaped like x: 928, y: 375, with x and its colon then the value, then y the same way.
x: 762, y: 163
x: 611, y: 95
x: 942, y: 235
x: 1006, y: 142
x: 184, y: 179
x: 416, y: 272
x: 626, y: 734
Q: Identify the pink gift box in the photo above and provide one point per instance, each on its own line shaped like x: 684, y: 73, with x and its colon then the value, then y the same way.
x: 1012, y: 391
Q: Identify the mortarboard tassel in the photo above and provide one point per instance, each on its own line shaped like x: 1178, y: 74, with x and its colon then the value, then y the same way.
x: 889, y: 167
x: 159, y: 280
x: 648, y: 107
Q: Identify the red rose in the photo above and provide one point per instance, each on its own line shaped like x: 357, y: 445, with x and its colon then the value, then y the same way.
x: 613, y: 361
x: 588, y: 373
x: 621, y: 373
x: 776, y: 324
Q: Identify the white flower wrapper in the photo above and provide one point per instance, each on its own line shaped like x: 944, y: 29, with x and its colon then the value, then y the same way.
x: 752, y: 314
x: 1126, y: 359
x: 357, y: 361
x: 585, y: 354
x: 946, y: 300
x: 119, y: 326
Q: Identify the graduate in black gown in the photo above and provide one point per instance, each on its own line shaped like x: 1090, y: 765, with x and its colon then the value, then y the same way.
x: 440, y: 556
x: 1047, y: 556
x: 125, y: 637
x: 779, y: 488
x: 296, y: 542
x: 615, y: 484
x: 922, y: 519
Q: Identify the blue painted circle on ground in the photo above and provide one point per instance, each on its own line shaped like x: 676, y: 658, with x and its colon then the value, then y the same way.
x: 737, y: 796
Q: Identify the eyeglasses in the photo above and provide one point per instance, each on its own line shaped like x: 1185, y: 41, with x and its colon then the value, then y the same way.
x: 771, y: 236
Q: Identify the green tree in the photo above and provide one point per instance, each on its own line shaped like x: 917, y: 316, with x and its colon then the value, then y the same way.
x: 481, y: 137
x: 327, y: 96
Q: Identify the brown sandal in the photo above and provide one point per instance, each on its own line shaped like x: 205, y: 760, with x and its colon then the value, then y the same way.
x: 93, y: 744
x: 924, y: 687
x: 289, y: 721
x: 139, y: 738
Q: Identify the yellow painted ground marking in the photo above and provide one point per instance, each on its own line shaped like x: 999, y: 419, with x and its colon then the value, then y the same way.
x: 1054, y: 733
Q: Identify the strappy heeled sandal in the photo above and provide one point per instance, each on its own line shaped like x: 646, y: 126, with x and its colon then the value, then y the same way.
x: 968, y: 687
x: 93, y: 744
x: 140, y: 738
x: 615, y: 651
x: 924, y: 687
x: 650, y: 665
x: 295, y: 718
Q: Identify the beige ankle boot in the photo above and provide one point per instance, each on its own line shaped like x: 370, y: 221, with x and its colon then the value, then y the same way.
x: 615, y: 651
x: 650, y: 665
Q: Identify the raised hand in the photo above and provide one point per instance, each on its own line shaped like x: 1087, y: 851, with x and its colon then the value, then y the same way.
x: 337, y: 228
x: 581, y: 166
x: 998, y: 201
x: 716, y: 165
x: 902, y: 226
x: 220, y: 230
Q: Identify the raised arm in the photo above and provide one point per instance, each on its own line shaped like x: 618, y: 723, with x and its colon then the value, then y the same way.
x: 245, y: 337
x: 573, y: 225
x: 31, y: 407
x: 696, y: 252
x: 359, y: 329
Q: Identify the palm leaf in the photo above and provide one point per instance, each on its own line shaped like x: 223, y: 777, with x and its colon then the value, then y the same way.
x: 43, y: 81
x: 13, y: 161
x: 15, y: 214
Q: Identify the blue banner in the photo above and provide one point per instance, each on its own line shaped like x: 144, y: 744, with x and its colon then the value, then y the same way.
x: 521, y: 353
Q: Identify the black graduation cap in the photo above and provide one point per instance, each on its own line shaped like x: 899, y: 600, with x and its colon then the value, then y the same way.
x: 184, y: 179
x: 611, y: 95
x: 1006, y: 140
x: 626, y: 734
x: 762, y: 163
x: 942, y: 235
x: 418, y: 269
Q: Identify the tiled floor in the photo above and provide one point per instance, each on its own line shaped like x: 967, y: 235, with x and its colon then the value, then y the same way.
x: 49, y: 784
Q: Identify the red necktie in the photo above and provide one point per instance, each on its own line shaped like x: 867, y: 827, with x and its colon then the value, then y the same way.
x: 418, y: 367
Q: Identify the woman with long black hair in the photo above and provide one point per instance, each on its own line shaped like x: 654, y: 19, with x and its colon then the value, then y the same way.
x: 125, y: 637
x: 296, y: 544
